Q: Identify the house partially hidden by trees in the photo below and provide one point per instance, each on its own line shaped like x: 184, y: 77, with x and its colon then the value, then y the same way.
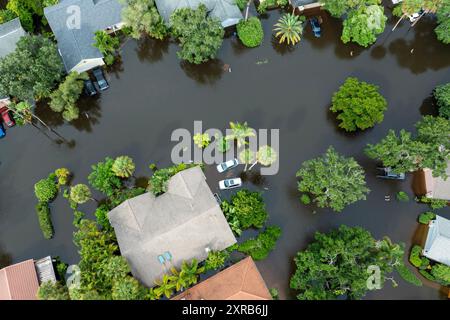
x: 226, y: 11
x: 306, y: 5
x: 437, y: 187
x: 437, y: 245
x: 74, y: 23
x: 158, y: 233
x: 21, y: 281
x: 10, y: 34
x: 242, y: 281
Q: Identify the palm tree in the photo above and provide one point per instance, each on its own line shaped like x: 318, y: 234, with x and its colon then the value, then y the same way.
x: 240, y: 131
x: 123, y: 167
x: 407, y: 7
x: 289, y: 28
x: 80, y: 193
x: 164, y: 287
x: 265, y: 156
x: 247, y: 157
x: 189, y: 273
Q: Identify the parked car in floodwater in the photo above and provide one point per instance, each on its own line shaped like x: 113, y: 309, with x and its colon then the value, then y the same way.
x: 7, y: 117
x: 89, y: 88
x: 315, y: 26
x: 230, y: 183
x: 100, y: 78
x: 386, y: 173
x: 227, y: 165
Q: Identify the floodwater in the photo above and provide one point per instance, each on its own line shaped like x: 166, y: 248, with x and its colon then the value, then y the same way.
x: 271, y: 87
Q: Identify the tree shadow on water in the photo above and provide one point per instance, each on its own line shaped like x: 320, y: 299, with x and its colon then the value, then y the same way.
x: 205, y: 73
x: 151, y: 50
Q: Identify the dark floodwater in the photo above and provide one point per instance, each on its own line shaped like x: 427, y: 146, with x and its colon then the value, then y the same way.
x: 152, y: 94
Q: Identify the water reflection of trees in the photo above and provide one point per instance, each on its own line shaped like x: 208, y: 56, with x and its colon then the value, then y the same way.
x: 5, y: 258
x: 205, y: 73
x: 151, y: 50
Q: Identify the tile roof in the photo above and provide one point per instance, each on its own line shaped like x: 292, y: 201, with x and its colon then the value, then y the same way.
x: 241, y: 281
x: 19, y: 281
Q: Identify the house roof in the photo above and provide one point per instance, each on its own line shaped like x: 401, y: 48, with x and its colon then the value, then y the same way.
x: 184, y: 221
x: 19, y: 281
x: 10, y: 33
x: 76, y: 44
x: 436, y: 187
x: 226, y: 11
x: 242, y: 281
x: 437, y: 245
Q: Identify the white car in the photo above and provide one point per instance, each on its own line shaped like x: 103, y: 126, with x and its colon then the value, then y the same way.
x: 230, y: 183
x: 414, y: 17
x: 230, y: 164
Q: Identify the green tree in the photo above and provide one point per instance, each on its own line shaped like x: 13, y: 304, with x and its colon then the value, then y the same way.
x: 240, y: 132
x: 189, y: 273
x: 442, y: 96
x: 289, y: 28
x: 364, y: 25
x: 332, y: 180
x: 63, y: 176
x: 6, y: 15
x: 266, y: 156
x: 441, y: 273
x: 337, y: 264
x: 216, y: 260
x: 359, y: 105
x: 45, y: 220
x: 32, y: 70
x: 103, y: 179
x: 128, y: 288
x: 143, y: 19
x: 107, y: 45
x: 53, y: 291
x: 165, y: 286
x: 247, y: 157
x: 46, y: 189
x: 80, y: 193
x: 338, y: 8
x: 200, y: 36
x: 443, y: 18
x: 201, y: 140
x: 123, y: 167
x: 64, y: 99
x: 260, y: 247
x: 250, y: 32
x: 406, y: 8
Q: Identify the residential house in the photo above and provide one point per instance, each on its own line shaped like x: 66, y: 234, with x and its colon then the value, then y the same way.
x: 437, y: 245
x: 226, y: 11
x: 242, y: 281
x: 10, y: 34
x: 436, y: 187
x: 305, y: 5
x: 74, y: 23
x: 21, y: 281
x: 157, y: 233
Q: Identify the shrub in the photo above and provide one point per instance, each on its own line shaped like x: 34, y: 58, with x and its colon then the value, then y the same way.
x: 408, y: 275
x: 427, y: 275
x: 426, y: 217
x: 101, y: 213
x: 305, y: 199
x: 53, y: 291
x: 158, y: 181
x: 250, y: 32
x: 441, y: 273
x: 274, y: 293
x: 260, y: 247
x: 434, y: 203
x: 63, y: 175
x: 103, y: 178
x: 45, y: 221
x: 46, y: 189
x: 216, y: 260
x: 442, y: 96
x: 402, y: 196
x: 414, y: 256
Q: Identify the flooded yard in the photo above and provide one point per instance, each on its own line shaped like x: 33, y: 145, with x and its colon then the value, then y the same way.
x: 271, y: 87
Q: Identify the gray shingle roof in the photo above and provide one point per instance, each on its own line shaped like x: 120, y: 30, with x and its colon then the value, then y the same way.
x: 226, y: 11
x: 437, y: 245
x: 10, y: 33
x: 184, y: 221
x: 76, y: 45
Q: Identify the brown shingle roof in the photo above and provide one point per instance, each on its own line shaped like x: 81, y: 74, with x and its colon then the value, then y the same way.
x: 19, y: 282
x: 242, y: 281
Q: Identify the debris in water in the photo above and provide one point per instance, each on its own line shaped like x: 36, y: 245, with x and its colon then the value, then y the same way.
x: 265, y: 61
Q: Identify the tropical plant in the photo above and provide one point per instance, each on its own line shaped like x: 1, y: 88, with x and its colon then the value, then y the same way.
x: 442, y: 96
x: 408, y: 275
x: 223, y: 145
x: 240, y: 132
x: 157, y: 183
x: 332, y: 180
x: 358, y: 104
x: 250, y: 32
x: 415, y: 256
x: 53, y: 291
x: 426, y: 217
x: 80, y: 193
x: 260, y: 247
x: 402, y: 196
x: 107, y: 45
x: 336, y: 264
x: 200, y: 36
x: 36, y: 57
x: 434, y: 203
x: 45, y: 220
x: 62, y: 176
x: 289, y: 29
x: 441, y: 273
x: 247, y: 157
x: 6, y: 15
x: 46, y: 189
x: 166, y: 286
x: 201, y: 140
x: 189, y: 273
x: 216, y: 260
x: 103, y: 179
x: 123, y: 167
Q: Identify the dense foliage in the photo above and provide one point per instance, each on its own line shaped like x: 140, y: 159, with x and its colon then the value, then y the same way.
x: 53, y: 291
x: 245, y: 209
x: 268, y: 4
x: 64, y: 99
x: 46, y: 189
x: 260, y: 247
x: 142, y: 17
x: 332, y: 180
x: 107, y: 45
x: 62, y: 176
x: 426, y: 217
x: 103, y: 179
x: 250, y: 32
x: 442, y: 96
x: 200, y: 36
x: 443, y: 18
x: 432, y: 271
x: 216, y: 260
x: 158, y: 181
x: 336, y: 264
x: 32, y: 70
x: 123, y: 167
x: 45, y: 220
x: 359, y: 105
x: 80, y: 193
x: 27, y: 10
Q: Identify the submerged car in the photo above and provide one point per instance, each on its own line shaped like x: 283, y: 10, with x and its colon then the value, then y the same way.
x: 388, y: 174
x: 2, y: 131
x: 315, y: 26
x: 89, y: 88
x: 413, y: 18
x: 100, y: 78
x: 227, y: 165
x: 230, y: 183
x: 7, y: 117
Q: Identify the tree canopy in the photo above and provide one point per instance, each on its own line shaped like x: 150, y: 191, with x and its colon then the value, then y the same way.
x: 336, y: 264
x: 250, y: 32
x: 32, y: 70
x: 142, y: 17
x: 332, y: 180
x: 359, y: 105
x: 443, y: 18
x: 103, y: 177
x: 200, y: 36
x: 442, y: 96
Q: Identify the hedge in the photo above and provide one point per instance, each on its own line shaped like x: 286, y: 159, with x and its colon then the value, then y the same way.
x: 250, y: 32
x: 414, y: 257
x: 408, y: 275
x: 426, y: 217
x: 45, y: 221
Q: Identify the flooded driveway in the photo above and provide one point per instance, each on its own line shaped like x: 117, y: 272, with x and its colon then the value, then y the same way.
x: 271, y: 87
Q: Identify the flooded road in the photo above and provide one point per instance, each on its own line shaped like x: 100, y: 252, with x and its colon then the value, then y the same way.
x: 271, y: 87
